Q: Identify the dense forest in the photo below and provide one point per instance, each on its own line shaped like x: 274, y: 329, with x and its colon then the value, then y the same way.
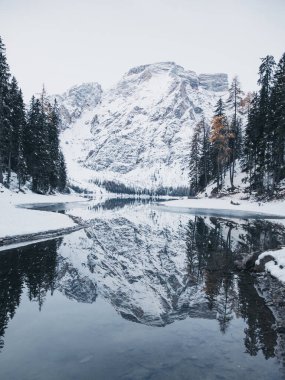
x: 246, y: 134
x: 29, y: 139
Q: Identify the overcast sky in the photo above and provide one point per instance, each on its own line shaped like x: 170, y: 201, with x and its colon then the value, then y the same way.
x: 65, y: 42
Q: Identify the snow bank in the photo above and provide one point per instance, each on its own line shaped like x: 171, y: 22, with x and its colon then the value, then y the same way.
x: 276, y: 266
x: 19, y: 221
x: 273, y: 208
x: 22, y: 222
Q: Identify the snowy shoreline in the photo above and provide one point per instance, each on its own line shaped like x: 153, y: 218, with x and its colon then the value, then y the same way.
x: 17, y: 222
x: 276, y: 264
x: 15, y: 241
x: 272, y: 208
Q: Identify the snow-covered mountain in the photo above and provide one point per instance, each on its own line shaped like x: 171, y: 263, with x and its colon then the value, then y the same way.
x: 138, y: 132
x: 76, y: 100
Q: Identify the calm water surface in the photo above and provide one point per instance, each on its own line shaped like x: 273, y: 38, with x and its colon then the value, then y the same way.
x: 142, y: 293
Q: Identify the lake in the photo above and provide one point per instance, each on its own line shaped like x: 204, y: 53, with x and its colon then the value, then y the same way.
x: 142, y: 293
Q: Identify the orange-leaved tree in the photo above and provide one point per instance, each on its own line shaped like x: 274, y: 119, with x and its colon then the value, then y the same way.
x: 220, y: 137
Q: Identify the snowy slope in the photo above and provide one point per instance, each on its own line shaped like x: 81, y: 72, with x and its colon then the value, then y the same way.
x: 140, y: 130
x: 76, y: 142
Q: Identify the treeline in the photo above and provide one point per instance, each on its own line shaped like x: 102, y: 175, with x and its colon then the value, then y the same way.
x: 29, y: 139
x: 264, y: 143
x: 216, y: 147
x: 258, y: 146
x: 120, y: 188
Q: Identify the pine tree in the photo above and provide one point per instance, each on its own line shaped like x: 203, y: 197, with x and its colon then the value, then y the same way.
x: 266, y: 72
x: 5, y: 126
x: 62, y: 175
x: 45, y: 162
x: 277, y: 125
x: 234, y: 101
x: 220, y: 147
x: 29, y: 136
x: 249, y: 159
x: 21, y: 165
x: 43, y: 151
x: 258, y: 146
x: 194, y: 164
x: 18, y: 121
x: 53, y: 144
x: 36, y: 146
x: 220, y: 108
x: 199, y: 163
x: 205, y: 165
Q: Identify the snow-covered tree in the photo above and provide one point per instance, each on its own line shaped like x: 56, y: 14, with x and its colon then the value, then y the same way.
x: 5, y: 126
x: 194, y: 163
x: 234, y: 104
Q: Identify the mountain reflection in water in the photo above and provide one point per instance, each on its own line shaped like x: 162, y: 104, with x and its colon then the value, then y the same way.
x: 153, y: 268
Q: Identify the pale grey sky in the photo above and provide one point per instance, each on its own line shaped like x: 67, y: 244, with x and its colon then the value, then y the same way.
x: 66, y: 42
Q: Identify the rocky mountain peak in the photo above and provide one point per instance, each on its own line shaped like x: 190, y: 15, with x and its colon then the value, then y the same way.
x: 76, y: 100
x: 138, y: 132
x: 211, y: 82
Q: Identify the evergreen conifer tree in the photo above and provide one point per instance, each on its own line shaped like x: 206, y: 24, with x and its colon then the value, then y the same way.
x: 62, y: 175
x: 266, y: 72
x: 53, y: 132
x: 21, y: 165
x: 219, y: 138
x: 220, y: 108
x: 277, y: 125
x: 251, y: 142
x: 195, y: 156
x: 220, y: 147
x: 5, y: 126
x: 234, y: 101
x: 205, y: 163
x: 18, y: 121
x: 36, y: 146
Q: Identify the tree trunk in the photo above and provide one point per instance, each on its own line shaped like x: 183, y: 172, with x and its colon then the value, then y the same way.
x: 9, y: 170
x: 1, y: 170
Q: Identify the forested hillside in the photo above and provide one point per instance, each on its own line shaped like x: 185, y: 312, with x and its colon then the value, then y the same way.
x: 29, y: 138
x: 246, y: 134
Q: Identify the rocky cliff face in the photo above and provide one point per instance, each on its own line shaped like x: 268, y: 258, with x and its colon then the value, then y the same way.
x: 213, y: 82
x: 76, y: 100
x: 139, y: 131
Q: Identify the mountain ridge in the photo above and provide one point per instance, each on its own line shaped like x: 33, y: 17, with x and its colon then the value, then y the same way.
x: 138, y: 132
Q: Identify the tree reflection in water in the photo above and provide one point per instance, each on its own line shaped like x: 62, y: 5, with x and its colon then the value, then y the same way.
x: 211, y: 252
x: 33, y: 268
